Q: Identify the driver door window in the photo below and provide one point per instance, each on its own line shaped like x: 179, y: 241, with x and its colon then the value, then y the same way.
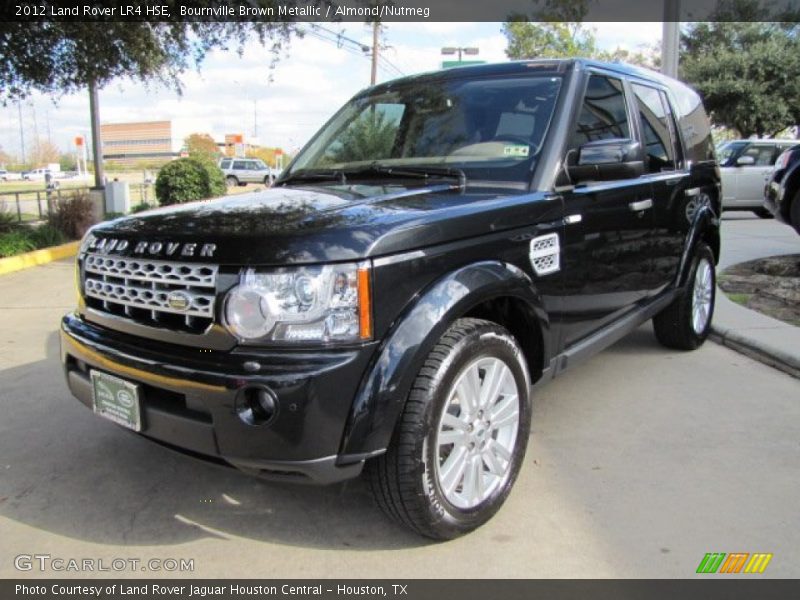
x: 603, y: 114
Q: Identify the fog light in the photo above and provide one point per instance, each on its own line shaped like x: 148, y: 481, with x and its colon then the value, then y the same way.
x: 256, y: 405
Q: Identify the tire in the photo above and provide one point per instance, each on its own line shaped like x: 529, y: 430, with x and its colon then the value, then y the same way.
x: 763, y: 213
x: 267, y: 181
x: 680, y: 325
x: 413, y: 482
x: 231, y: 181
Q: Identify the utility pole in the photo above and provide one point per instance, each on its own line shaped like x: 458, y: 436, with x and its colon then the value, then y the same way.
x: 374, y: 76
x: 21, y: 133
x: 670, y: 38
x: 35, y: 133
x: 255, y: 118
x: 97, y: 145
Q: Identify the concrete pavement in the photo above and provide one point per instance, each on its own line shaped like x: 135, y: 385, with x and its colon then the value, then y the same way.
x: 641, y: 461
x: 746, y: 237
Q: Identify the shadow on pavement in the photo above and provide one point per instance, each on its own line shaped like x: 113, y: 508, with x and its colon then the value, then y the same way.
x: 68, y: 472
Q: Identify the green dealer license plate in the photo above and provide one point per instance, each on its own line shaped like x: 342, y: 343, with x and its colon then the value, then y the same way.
x: 117, y: 400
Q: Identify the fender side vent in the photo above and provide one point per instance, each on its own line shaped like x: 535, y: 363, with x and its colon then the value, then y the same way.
x: 545, y: 254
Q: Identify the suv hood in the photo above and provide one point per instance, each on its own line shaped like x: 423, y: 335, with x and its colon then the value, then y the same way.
x: 316, y: 224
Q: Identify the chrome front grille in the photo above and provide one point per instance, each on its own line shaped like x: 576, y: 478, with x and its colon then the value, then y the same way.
x: 153, y: 292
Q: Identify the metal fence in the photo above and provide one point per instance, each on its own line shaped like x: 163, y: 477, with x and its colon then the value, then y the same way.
x: 34, y: 205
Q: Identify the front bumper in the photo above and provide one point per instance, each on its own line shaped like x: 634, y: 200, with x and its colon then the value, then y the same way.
x: 189, y: 399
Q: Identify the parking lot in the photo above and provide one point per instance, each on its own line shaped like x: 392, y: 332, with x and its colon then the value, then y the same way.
x: 641, y: 461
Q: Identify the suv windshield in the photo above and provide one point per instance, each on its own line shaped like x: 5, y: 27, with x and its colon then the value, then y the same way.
x: 490, y: 128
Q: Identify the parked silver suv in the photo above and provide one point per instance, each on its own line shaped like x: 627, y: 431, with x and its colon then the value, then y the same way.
x: 240, y: 171
x: 745, y: 166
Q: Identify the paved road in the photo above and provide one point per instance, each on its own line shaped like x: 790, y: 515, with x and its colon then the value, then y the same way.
x: 747, y: 237
x: 642, y: 460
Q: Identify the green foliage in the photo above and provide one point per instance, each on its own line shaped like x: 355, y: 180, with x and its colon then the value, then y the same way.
x: 188, y: 179
x: 201, y: 146
x: 548, y: 40
x: 369, y: 137
x: 46, y: 236
x: 26, y: 238
x: 216, y: 179
x: 70, y: 55
x: 747, y: 72
x: 8, y: 220
x: 67, y: 162
x: 73, y: 215
x: 16, y: 242
x: 141, y: 207
x: 556, y: 31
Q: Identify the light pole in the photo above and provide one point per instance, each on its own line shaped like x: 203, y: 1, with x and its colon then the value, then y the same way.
x: 451, y: 50
x: 670, y: 38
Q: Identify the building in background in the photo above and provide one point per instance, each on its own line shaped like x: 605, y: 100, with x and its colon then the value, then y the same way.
x: 149, y: 144
x: 145, y: 142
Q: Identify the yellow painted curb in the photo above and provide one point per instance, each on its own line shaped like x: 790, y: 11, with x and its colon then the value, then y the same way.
x: 38, y: 257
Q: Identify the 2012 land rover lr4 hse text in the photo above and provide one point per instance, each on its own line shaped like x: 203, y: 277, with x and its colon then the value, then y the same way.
x: 443, y: 243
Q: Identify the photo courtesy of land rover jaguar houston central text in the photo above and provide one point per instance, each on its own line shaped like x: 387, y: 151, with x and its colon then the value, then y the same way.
x: 446, y: 241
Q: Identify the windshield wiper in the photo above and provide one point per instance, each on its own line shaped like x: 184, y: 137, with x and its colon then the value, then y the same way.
x: 344, y: 175
x: 314, y: 175
x: 410, y: 171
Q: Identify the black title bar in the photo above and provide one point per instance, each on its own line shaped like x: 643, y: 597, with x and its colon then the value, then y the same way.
x: 395, y: 10
x: 711, y: 588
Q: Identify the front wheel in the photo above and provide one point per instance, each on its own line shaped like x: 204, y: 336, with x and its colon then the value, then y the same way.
x: 460, y: 441
x: 231, y: 181
x: 686, y: 322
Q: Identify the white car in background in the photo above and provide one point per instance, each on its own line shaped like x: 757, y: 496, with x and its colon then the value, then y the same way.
x: 240, y: 171
x: 745, y: 166
x: 10, y: 175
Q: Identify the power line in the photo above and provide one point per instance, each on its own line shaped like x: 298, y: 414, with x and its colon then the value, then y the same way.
x: 392, y: 65
x: 353, y: 47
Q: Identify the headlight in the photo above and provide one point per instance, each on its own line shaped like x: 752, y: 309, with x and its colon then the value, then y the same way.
x: 304, y: 304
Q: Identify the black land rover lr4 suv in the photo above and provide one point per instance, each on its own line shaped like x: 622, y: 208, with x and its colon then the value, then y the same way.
x: 443, y: 243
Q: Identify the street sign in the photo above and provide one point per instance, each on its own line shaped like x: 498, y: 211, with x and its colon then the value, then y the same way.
x: 449, y: 64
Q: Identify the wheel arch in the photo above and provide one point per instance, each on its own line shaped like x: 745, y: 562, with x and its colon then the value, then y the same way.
x: 491, y: 290
x: 704, y: 228
x: 791, y: 190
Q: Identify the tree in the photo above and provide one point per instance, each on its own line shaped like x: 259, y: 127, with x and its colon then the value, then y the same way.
x: 746, y: 68
x: 68, y: 162
x: 371, y: 136
x: 558, y: 32
x: 201, y: 145
x: 5, y: 158
x: 188, y: 179
x: 555, y: 32
x: 548, y: 40
x: 44, y: 152
x: 648, y: 56
x: 268, y: 155
x: 59, y: 57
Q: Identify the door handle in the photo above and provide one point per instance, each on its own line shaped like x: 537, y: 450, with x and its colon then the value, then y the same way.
x: 641, y: 205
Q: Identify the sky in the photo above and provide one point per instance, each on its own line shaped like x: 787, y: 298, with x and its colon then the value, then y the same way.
x: 311, y: 80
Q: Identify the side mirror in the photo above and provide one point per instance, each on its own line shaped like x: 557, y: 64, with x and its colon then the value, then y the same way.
x: 745, y: 161
x: 603, y: 160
